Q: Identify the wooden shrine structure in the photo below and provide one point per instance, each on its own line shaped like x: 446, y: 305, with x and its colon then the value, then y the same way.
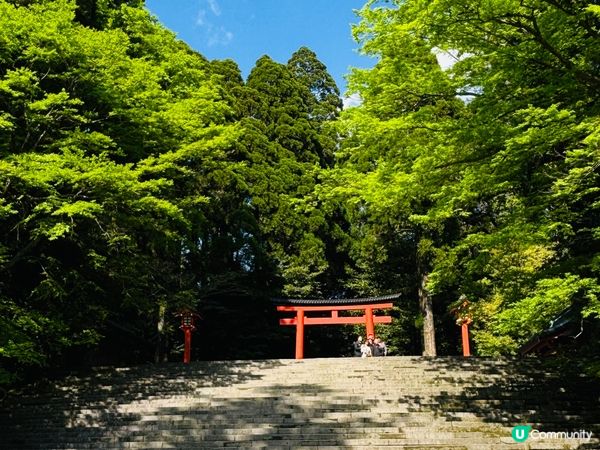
x: 333, y: 312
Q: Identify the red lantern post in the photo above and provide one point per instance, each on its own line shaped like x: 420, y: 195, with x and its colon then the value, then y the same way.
x: 187, y: 325
x: 464, y: 318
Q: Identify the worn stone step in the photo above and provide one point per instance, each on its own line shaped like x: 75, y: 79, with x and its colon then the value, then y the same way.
x: 393, y: 402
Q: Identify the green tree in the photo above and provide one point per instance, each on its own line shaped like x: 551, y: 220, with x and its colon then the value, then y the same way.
x: 114, y: 155
x: 285, y: 146
x: 325, y: 102
x: 393, y: 140
x: 488, y: 181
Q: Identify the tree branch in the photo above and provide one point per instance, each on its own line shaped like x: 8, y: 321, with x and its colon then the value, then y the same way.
x: 537, y: 34
x: 462, y: 161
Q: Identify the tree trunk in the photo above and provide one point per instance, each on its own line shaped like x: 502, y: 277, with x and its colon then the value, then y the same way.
x: 160, y: 354
x: 426, y: 307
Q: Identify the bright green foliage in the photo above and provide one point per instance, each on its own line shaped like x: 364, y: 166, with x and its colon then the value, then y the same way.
x: 491, y: 163
x: 114, y: 145
x: 391, y: 142
x: 65, y: 256
x: 507, y: 327
x: 137, y: 177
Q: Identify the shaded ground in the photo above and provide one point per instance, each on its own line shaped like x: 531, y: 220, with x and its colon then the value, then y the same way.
x: 417, y: 402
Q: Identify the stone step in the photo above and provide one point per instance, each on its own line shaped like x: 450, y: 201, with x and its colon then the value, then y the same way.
x: 392, y: 402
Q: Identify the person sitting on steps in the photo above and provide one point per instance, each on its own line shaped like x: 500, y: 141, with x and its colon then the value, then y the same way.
x: 365, y: 350
x: 356, y: 345
x: 371, y: 347
x: 379, y: 348
x: 371, y: 344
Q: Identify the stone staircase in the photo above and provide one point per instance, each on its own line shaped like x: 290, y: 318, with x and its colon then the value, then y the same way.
x: 393, y: 403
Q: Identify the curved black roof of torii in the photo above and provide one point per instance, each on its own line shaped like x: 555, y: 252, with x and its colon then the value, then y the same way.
x: 333, y: 301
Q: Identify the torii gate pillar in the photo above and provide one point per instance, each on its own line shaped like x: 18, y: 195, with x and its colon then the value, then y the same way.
x: 299, y: 334
x: 369, y: 323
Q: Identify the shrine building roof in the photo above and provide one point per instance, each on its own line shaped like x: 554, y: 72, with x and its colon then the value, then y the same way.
x: 334, y: 301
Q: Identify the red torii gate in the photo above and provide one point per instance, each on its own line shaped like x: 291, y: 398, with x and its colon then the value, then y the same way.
x: 334, y: 306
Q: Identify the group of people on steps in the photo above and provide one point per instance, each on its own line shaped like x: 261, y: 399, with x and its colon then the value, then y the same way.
x: 371, y: 347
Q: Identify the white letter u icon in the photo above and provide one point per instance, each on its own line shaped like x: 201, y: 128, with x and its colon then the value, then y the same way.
x: 520, y: 433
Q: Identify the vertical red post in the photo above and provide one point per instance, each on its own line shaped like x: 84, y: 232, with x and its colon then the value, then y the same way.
x: 187, y: 326
x: 464, y: 317
x: 300, y: 334
x: 465, y: 339
x: 369, y: 322
x: 187, y: 351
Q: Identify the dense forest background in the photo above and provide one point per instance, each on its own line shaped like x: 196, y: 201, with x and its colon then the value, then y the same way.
x: 138, y: 178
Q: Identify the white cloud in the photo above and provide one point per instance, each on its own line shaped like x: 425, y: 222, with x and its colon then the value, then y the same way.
x: 218, y: 36
x: 352, y: 101
x: 214, y: 7
x: 201, y: 18
x: 447, y: 58
x: 214, y: 34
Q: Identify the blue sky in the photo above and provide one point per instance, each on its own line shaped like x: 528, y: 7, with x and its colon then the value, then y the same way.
x: 244, y: 30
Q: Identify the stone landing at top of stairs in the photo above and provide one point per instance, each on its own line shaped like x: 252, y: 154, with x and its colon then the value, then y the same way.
x: 393, y: 402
